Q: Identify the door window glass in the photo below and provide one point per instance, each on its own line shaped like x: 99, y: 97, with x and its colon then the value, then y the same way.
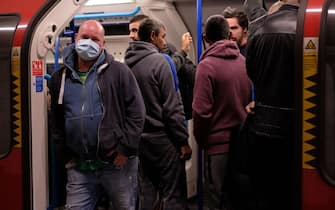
x: 8, y: 24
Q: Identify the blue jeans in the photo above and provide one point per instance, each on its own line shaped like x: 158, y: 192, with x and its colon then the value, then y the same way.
x: 120, y: 184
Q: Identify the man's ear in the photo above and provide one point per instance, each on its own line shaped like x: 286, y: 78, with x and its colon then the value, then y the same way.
x: 207, y: 40
x: 152, y: 36
x: 245, y: 31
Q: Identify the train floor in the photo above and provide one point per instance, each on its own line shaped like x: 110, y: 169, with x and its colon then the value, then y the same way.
x: 192, y: 204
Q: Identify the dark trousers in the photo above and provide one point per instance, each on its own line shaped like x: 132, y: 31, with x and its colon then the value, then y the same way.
x: 262, y: 162
x: 215, y: 172
x: 162, y: 176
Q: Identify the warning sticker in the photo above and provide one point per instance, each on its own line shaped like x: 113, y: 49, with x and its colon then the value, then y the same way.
x: 37, y: 68
x: 311, y: 54
x: 310, y: 45
x: 39, y: 83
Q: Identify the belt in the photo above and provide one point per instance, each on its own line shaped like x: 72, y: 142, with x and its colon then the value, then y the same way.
x: 272, y: 121
x: 89, y: 165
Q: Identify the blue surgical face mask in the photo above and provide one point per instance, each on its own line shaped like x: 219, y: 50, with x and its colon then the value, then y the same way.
x: 87, y: 49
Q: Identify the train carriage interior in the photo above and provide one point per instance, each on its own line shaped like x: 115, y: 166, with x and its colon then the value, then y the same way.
x: 176, y: 16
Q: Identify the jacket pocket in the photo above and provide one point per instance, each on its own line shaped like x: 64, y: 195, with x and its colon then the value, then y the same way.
x: 109, y: 138
x: 274, y: 122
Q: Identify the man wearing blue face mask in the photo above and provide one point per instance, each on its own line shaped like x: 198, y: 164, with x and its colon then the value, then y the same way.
x: 97, y: 114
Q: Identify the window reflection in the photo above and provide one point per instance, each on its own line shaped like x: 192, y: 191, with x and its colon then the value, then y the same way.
x: 8, y: 25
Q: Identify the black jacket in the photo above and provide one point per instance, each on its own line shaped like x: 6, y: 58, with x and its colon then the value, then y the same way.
x: 270, y: 58
x: 186, y: 76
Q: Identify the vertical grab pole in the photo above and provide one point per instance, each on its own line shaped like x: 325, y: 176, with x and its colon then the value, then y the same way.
x: 199, y: 29
x: 199, y: 51
x: 56, y: 64
x: 55, y: 198
x: 73, y: 29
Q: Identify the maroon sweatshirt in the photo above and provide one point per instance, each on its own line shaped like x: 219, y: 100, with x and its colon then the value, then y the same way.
x: 222, y: 90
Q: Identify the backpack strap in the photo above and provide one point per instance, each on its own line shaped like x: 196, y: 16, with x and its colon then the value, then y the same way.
x: 173, y: 70
x: 252, y: 97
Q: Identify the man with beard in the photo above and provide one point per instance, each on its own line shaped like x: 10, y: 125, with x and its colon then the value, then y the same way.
x: 238, y: 24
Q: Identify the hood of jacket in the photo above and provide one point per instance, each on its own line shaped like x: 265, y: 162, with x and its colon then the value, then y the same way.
x: 222, y: 49
x: 138, y: 50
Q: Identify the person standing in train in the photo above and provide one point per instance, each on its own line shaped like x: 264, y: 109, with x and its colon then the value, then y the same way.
x: 184, y: 66
x: 270, y: 130
x: 238, y: 24
x: 179, y: 56
x: 256, y: 12
x: 164, y: 147
x: 222, y: 90
x: 98, y: 115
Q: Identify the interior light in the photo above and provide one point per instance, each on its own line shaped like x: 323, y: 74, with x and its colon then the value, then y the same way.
x: 316, y: 10
x: 22, y: 26
x: 102, y: 2
x: 7, y: 28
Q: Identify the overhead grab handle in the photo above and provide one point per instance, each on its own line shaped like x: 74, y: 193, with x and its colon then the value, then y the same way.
x: 108, y: 15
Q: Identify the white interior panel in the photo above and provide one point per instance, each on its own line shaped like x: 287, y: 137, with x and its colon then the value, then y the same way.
x: 116, y: 45
x: 43, y: 40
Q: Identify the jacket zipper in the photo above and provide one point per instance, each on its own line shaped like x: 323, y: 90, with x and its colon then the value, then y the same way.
x: 82, y: 120
x: 103, y: 114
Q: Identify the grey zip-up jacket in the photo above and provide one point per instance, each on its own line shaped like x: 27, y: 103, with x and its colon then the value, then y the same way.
x: 102, y: 114
x: 164, y: 109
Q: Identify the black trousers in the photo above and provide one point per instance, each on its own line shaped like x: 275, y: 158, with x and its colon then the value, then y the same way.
x: 262, y: 162
x: 162, y: 176
x: 216, y: 188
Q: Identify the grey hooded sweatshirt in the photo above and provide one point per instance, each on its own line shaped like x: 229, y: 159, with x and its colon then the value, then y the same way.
x: 164, y: 109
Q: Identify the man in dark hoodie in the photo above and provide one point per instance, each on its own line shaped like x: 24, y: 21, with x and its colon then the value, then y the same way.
x: 184, y: 66
x: 222, y: 90
x: 97, y: 114
x: 163, y: 146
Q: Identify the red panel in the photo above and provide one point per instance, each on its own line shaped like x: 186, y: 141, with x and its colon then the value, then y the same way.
x: 11, y: 189
x: 317, y: 195
x: 26, y: 9
x: 312, y: 18
x: 11, y: 181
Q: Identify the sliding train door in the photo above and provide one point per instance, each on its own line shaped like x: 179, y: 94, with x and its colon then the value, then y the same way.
x: 15, y: 164
x: 10, y: 176
x: 318, y: 106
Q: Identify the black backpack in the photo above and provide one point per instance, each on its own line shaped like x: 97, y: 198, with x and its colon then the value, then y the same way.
x: 186, y: 75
